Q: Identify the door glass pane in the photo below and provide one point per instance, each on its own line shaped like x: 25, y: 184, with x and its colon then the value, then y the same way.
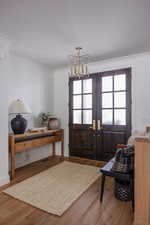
x: 77, y: 116
x: 107, y: 100
x: 77, y: 101
x: 77, y: 87
x: 87, y: 101
x: 120, y: 116
x: 87, y: 86
x: 107, y: 116
x: 120, y: 82
x: 107, y: 83
x: 87, y: 116
x: 119, y: 99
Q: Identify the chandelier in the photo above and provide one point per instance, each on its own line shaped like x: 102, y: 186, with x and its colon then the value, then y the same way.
x: 78, y: 63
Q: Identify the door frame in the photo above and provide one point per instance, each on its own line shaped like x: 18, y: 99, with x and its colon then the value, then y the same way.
x: 128, y: 71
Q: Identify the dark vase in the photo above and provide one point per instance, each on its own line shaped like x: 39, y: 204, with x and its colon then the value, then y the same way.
x: 18, y: 124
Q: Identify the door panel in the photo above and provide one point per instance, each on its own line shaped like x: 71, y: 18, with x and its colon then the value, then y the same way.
x: 82, y: 136
x: 99, y: 113
x: 110, y: 140
x: 113, y: 110
x: 83, y: 143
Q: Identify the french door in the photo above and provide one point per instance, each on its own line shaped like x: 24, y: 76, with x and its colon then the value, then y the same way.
x: 99, y: 113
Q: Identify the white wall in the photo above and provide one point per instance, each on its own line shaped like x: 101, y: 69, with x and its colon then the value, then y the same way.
x: 61, y: 104
x: 4, y: 178
x: 33, y: 83
x: 140, y: 89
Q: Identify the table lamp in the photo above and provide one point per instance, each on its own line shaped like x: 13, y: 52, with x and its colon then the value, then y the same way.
x: 19, y: 124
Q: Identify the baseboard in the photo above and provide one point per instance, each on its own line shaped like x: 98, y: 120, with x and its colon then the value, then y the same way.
x: 86, y: 161
x: 4, y: 180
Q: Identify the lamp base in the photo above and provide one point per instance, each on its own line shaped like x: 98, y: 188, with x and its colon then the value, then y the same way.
x: 18, y: 124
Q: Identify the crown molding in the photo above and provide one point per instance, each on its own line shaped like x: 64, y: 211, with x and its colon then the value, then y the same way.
x: 122, y: 58
x: 109, y: 60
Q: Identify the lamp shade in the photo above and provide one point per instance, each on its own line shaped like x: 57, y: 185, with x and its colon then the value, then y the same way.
x: 19, y: 106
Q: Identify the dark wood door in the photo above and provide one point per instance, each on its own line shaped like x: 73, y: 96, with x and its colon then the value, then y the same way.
x: 113, y: 111
x: 99, y: 113
x: 82, y: 123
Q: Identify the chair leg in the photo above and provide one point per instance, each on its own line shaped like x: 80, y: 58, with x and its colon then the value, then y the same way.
x: 102, y: 187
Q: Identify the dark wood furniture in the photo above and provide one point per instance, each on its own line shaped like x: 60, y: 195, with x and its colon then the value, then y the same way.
x: 142, y: 180
x: 95, y: 138
x: 107, y: 171
x: 28, y: 140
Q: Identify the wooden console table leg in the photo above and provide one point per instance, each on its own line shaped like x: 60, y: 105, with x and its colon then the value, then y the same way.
x: 13, y: 165
x: 53, y: 148
x: 62, y: 148
x: 12, y: 154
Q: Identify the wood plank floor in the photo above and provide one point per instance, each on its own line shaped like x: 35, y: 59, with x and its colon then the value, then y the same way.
x: 87, y: 210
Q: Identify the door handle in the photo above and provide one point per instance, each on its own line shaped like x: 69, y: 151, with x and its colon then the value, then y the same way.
x: 99, y: 127
x: 93, y: 125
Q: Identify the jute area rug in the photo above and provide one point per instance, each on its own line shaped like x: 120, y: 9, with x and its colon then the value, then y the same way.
x: 55, y: 189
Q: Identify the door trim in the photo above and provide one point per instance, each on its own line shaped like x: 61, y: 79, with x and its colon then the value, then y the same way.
x: 128, y: 72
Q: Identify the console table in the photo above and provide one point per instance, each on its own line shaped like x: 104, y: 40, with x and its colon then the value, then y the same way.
x: 29, y: 140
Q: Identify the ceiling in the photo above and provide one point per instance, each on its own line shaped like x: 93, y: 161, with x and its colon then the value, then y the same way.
x: 48, y: 30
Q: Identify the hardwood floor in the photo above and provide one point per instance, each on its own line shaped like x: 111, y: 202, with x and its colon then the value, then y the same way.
x: 87, y: 210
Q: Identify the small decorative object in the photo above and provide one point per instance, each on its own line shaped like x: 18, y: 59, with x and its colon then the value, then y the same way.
x: 19, y: 124
x: 79, y: 63
x: 53, y: 123
x: 37, y: 129
x: 44, y: 118
x: 124, y: 160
